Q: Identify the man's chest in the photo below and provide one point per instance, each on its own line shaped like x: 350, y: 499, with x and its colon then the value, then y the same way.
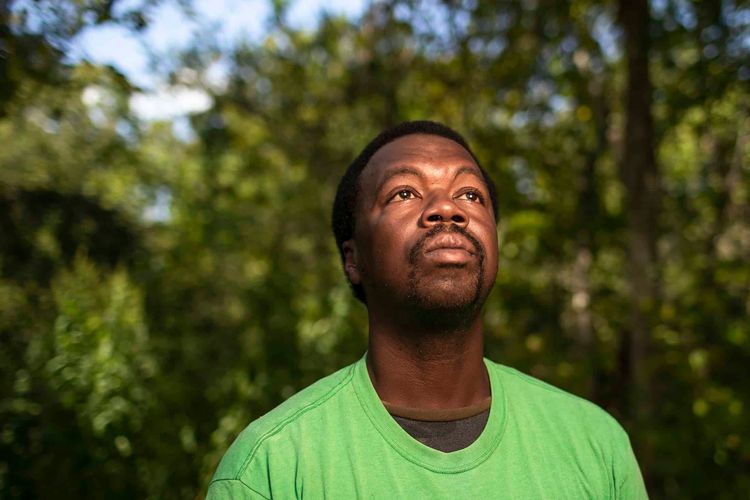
x: 367, y: 469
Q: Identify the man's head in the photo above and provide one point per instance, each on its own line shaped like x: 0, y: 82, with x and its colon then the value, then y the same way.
x: 414, y: 219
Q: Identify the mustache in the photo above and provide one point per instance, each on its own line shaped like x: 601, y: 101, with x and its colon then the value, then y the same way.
x: 443, y: 228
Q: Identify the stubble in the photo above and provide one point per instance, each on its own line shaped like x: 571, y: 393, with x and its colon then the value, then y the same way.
x: 445, y: 301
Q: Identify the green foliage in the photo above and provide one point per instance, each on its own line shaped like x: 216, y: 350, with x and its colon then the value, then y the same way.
x: 157, y: 294
x: 99, y: 362
x: 83, y: 387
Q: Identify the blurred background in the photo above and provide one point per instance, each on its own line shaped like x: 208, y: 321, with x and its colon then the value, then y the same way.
x: 167, y: 169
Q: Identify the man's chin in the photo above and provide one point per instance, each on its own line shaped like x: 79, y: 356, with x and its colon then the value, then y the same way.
x: 446, y: 295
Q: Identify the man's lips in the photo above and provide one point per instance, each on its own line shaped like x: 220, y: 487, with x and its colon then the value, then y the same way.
x: 448, y: 242
x: 450, y: 246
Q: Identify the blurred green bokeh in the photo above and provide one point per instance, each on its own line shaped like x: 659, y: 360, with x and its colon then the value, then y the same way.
x: 158, y: 292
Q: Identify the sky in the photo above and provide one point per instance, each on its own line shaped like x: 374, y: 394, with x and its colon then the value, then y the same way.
x: 171, y: 29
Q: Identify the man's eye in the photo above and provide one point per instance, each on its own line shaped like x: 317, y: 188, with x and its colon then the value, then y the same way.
x: 404, y: 194
x: 472, y: 196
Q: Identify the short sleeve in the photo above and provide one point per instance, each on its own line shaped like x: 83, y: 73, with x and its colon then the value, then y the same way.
x: 232, y: 489
x: 631, y: 485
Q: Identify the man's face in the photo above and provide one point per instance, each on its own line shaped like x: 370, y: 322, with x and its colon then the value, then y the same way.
x: 425, y: 233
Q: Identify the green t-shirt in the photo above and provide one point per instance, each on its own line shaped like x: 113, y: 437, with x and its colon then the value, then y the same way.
x: 335, y: 439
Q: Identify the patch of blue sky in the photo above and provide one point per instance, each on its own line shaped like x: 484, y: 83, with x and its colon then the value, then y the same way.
x: 172, y: 28
x: 144, y: 57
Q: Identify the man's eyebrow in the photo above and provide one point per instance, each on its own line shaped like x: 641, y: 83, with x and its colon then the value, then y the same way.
x: 468, y: 170
x: 405, y: 170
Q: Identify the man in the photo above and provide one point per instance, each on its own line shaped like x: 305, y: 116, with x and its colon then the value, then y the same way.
x: 423, y: 414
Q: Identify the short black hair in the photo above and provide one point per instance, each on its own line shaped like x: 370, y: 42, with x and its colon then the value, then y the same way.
x: 345, y: 204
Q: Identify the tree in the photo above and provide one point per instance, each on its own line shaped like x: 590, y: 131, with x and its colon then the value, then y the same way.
x: 158, y: 293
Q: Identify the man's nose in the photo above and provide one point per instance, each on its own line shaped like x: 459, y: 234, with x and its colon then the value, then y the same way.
x: 444, y: 210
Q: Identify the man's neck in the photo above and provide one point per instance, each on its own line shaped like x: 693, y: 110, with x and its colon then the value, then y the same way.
x: 427, y: 369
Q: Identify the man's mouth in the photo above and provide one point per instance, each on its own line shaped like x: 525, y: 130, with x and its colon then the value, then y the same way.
x: 449, y: 244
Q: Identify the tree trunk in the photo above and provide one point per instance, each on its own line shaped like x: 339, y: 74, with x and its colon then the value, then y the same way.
x: 588, y: 214
x: 640, y: 176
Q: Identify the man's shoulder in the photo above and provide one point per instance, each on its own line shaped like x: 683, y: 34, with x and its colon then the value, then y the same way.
x: 295, y: 409
x: 529, y: 394
x: 570, y: 427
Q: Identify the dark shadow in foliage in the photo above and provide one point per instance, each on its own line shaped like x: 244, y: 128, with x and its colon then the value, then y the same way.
x: 75, y: 221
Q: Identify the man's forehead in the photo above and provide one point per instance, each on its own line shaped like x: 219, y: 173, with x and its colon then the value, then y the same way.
x: 417, y: 151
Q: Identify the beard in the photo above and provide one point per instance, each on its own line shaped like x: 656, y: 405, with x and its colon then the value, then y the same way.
x: 447, y: 295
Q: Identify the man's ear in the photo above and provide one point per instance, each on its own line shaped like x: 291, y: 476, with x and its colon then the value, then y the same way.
x: 351, y: 262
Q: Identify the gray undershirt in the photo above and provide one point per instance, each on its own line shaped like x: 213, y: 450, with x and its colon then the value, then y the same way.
x: 452, y: 435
